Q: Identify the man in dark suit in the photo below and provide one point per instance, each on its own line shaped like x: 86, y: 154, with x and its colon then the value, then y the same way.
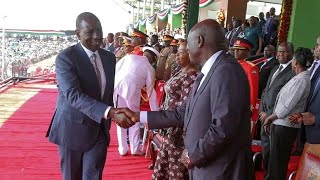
x: 81, y: 122
x: 279, y: 76
x: 311, y: 119
x: 110, y: 42
x: 271, y: 28
x: 235, y: 32
x: 266, y: 67
x: 216, y: 116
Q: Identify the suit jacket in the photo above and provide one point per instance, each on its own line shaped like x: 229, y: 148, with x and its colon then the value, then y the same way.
x: 313, y: 132
x: 111, y: 48
x: 77, y: 120
x: 216, y: 123
x: 271, y: 91
x: 265, y: 73
x: 234, y: 35
x: 271, y: 27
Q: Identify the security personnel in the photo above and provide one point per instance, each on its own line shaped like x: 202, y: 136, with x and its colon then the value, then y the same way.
x: 164, y: 54
x: 127, y: 46
x: 119, y: 51
x: 138, y: 40
x: 171, y: 60
x: 242, y: 49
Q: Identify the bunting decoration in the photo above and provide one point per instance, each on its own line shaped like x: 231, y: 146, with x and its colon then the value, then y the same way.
x: 163, y: 15
x: 177, y: 9
x: 136, y: 25
x: 184, y: 21
x: 284, y: 24
x: 142, y: 22
x: 205, y: 3
x: 152, y: 18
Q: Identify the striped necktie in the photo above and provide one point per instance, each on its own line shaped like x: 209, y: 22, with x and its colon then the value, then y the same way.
x: 93, y: 59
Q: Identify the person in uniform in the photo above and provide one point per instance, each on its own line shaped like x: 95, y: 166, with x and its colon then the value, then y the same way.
x: 152, y: 54
x: 119, y: 48
x: 133, y: 73
x: 139, y: 39
x: 171, y: 60
x: 127, y: 45
x: 242, y: 48
x: 164, y: 54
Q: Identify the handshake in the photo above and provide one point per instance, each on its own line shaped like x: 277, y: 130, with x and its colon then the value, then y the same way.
x: 124, y: 117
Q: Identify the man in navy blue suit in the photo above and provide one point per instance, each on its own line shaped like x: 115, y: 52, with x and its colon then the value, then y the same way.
x: 82, y: 119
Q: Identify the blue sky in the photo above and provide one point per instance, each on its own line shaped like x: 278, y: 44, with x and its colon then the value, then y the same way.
x: 60, y: 14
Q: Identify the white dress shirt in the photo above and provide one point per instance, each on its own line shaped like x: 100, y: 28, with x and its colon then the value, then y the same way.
x: 102, y: 74
x: 315, y: 69
x: 205, y: 70
x: 265, y: 62
x: 284, y: 66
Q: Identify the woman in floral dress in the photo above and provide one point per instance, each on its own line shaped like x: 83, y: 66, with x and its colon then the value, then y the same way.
x: 177, y: 88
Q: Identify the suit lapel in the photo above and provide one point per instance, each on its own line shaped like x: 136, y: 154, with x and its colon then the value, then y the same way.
x: 287, y: 69
x: 194, y: 96
x: 86, y: 66
x: 316, y: 77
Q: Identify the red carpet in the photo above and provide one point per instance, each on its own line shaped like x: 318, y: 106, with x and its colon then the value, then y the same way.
x: 26, y: 154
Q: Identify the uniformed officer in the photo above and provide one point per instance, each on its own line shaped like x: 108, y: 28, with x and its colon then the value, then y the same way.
x: 171, y: 60
x: 164, y: 54
x: 119, y: 51
x: 242, y: 49
x: 134, y: 76
x: 139, y: 39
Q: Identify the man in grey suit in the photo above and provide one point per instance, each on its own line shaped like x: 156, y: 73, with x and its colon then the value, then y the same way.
x: 81, y: 122
x: 216, y: 116
x: 279, y: 76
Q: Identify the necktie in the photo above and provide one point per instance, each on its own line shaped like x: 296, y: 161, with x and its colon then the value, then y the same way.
x: 276, y: 74
x: 313, y: 68
x: 197, y: 81
x: 93, y: 59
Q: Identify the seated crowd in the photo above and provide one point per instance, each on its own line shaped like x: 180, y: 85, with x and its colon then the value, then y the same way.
x: 25, y: 50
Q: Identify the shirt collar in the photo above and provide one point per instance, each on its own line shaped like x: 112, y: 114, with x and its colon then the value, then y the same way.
x: 269, y: 59
x: 88, y: 51
x: 207, y: 66
x: 286, y: 65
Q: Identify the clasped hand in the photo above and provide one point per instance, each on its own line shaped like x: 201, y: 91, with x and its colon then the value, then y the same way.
x: 123, y: 117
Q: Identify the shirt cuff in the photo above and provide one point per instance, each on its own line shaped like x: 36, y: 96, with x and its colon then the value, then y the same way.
x: 144, y: 117
x: 107, y: 112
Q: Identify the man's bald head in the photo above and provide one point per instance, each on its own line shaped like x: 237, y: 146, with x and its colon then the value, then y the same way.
x: 205, y: 39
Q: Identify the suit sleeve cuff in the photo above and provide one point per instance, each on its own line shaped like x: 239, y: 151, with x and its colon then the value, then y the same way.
x: 144, y: 117
x: 107, y: 112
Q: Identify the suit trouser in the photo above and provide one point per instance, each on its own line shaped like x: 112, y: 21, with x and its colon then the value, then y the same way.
x: 282, y: 140
x: 265, y: 143
x: 301, y: 139
x: 78, y: 165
